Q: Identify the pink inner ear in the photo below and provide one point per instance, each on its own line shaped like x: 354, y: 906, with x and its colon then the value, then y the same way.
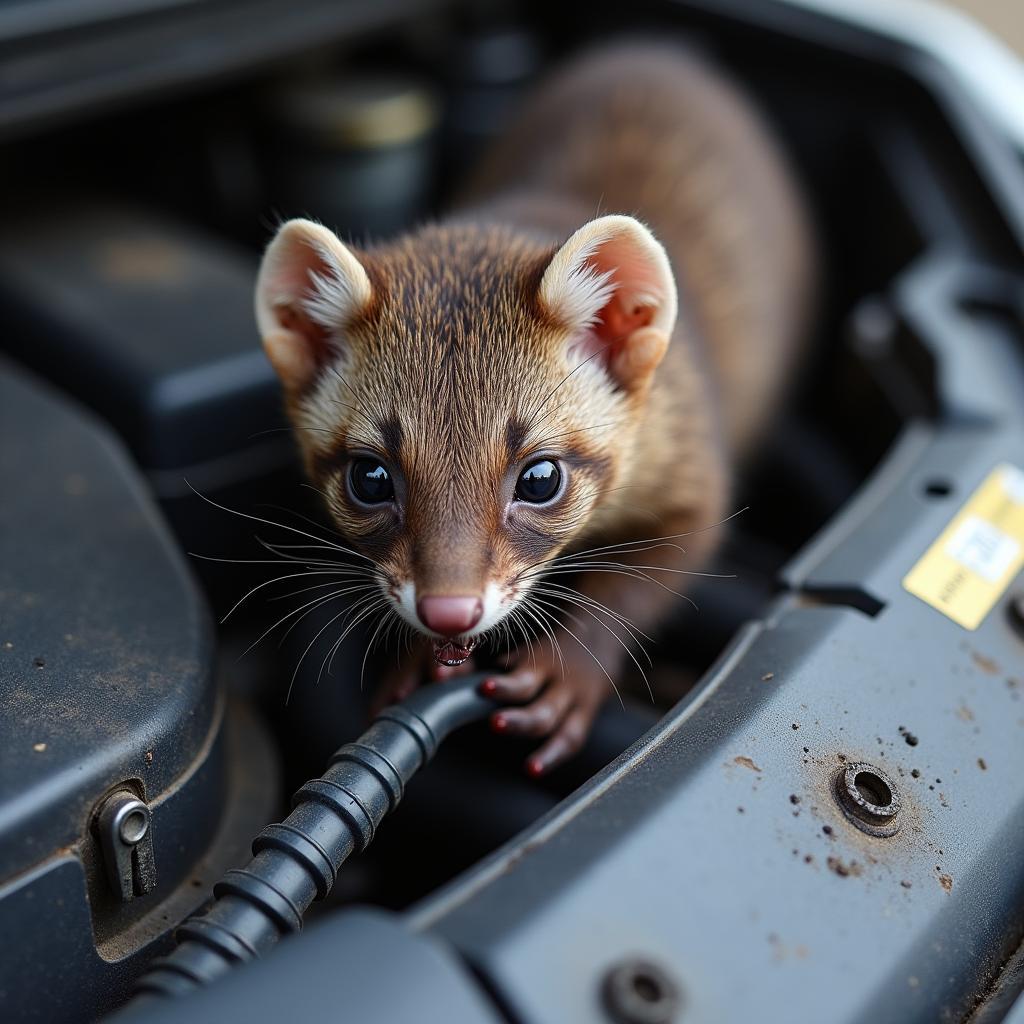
x: 636, y: 287
x: 293, y: 286
x: 620, y: 319
x: 630, y: 306
x: 292, y: 317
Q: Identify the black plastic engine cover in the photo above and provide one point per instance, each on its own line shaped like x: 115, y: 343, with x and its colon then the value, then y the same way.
x: 106, y: 681
x: 149, y: 322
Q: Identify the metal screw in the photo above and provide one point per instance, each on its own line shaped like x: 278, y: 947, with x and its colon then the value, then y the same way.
x: 640, y: 992
x: 123, y: 823
x: 133, y: 823
x: 869, y: 799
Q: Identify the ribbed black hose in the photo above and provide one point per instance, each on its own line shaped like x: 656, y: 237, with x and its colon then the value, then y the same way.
x: 297, y: 861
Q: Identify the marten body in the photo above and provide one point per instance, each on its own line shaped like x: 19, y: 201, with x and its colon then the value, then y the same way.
x: 537, y: 374
x: 658, y: 134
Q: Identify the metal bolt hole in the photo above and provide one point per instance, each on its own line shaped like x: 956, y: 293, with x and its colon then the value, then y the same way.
x: 873, y: 789
x: 869, y: 798
x: 647, y: 988
x: 938, y: 488
x: 640, y: 992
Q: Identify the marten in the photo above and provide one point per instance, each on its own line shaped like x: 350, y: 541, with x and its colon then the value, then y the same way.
x: 556, y: 382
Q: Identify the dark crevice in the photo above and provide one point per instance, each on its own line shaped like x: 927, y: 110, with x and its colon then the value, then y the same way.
x: 843, y: 597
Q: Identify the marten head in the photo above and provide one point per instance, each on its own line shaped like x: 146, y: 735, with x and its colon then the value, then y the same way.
x: 465, y: 398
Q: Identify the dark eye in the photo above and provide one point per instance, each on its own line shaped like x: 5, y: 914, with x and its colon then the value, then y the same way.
x: 539, y: 482
x: 371, y: 482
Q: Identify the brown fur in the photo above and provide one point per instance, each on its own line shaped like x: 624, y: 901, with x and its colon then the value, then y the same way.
x: 457, y: 374
x: 659, y: 134
x: 456, y: 351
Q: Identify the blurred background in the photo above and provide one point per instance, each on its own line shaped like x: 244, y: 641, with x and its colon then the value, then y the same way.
x: 1002, y: 19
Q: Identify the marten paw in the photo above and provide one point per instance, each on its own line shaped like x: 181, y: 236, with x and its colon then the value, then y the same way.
x: 564, y: 697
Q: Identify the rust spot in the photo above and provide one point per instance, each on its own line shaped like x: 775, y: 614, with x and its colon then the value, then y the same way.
x: 842, y: 869
x: 946, y: 881
x: 149, y: 757
x: 943, y: 800
x: 793, y: 798
x: 746, y: 762
x: 982, y: 765
x: 985, y: 663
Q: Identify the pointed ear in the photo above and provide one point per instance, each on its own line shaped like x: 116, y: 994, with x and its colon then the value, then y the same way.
x: 310, y: 287
x: 612, y: 285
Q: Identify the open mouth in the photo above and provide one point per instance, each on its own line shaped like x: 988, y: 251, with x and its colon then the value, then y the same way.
x: 453, y: 652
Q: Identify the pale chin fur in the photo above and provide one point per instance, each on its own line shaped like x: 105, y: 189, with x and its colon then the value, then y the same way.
x: 497, y: 604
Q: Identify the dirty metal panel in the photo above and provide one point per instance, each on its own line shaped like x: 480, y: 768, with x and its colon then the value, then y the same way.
x: 719, y: 849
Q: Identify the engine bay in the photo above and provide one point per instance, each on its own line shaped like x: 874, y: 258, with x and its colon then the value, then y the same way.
x: 148, y: 466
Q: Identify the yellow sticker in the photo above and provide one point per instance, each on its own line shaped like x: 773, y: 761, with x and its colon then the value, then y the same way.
x: 976, y: 557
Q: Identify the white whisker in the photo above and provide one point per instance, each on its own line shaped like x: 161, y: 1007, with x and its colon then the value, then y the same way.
x: 594, y: 658
x: 556, y: 590
x: 364, y: 614
x: 277, y: 579
x: 270, y: 522
x: 586, y: 567
x: 295, y: 611
x: 622, y: 642
x: 632, y: 573
x: 323, y: 629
